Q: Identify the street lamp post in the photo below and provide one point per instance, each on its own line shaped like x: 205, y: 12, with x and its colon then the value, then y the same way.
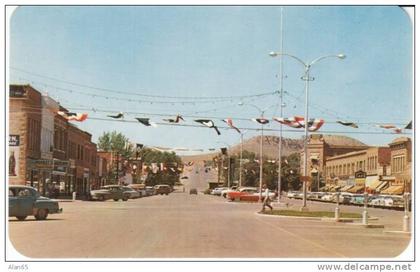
x: 240, y: 160
x: 262, y: 111
x: 228, y: 157
x: 306, y: 77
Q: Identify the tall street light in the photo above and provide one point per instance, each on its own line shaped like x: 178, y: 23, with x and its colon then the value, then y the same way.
x: 240, y: 160
x: 227, y: 151
x: 262, y: 111
x: 306, y: 78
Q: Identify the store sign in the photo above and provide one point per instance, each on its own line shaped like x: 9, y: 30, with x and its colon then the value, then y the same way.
x: 14, y: 140
x: 17, y: 92
x: 360, y: 178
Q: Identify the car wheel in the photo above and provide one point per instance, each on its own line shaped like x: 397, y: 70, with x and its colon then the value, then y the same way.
x: 21, y: 218
x: 224, y: 195
x: 101, y: 198
x: 41, y: 214
x: 124, y: 199
x: 116, y: 199
x: 166, y: 194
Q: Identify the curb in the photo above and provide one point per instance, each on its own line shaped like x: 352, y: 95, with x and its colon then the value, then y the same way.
x: 293, y: 217
x: 398, y: 232
x: 369, y: 226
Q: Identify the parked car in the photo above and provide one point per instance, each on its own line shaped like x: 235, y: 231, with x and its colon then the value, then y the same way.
x: 131, y: 192
x: 193, y: 191
x: 162, y: 189
x: 218, y: 191
x: 141, y: 188
x: 357, y: 199
x: 345, y: 198
x: 115, y: 192
x: 26, y: 201
x: 149, y: 190
x: 292, y: 194
x: 227, y: 190
x: 328, y: 197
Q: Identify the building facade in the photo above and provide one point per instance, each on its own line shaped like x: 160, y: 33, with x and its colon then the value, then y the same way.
x: 320, y: 147
x: 401, y: 162
x: 24, y: 134
x: 45, y: 150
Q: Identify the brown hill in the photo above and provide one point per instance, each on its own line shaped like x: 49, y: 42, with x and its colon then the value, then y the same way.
x: 270, y: 148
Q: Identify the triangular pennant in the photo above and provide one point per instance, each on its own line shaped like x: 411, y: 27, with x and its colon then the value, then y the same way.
x: 72, y: 116
x: 208, y: 123
x: 348, y: 124
x: 230, y: 124
x: 409, y: 125
x: 291, y: 122
x: 145, y: 121
x: 117, y: 116
x: 261, y: 121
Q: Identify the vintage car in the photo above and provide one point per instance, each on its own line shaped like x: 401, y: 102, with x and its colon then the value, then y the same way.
x: 141, y: 188
x: 131, y: 192
x: 162, y: 189
x: 115, y: 192
x: 227, y: 190
x: 26, y: 201
x: 247, y: 194
x: 218, y: 191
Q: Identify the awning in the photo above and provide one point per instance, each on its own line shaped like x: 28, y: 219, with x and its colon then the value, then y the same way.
x: 356, y: 189
x: 382, y: 186
x: 373, y: 182
x: 345, y: 188
x: 393, y: 190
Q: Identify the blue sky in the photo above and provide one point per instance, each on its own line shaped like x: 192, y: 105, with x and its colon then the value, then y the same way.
x: 218, y: 51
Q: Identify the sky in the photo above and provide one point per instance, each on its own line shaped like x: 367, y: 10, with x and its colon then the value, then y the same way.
x: 141, y: 60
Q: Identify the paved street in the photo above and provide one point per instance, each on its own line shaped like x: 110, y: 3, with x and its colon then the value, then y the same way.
x: 198, y: 226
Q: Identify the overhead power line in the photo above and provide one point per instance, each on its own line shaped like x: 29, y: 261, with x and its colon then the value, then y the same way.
x: 140, y: 93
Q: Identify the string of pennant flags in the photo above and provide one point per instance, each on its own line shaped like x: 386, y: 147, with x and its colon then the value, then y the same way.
x: 297, y: 122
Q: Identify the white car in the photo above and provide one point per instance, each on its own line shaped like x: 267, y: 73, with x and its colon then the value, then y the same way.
x: 218, y: 191
x: 292, y: 194
x: 131, y: 192
x: 328, y: 197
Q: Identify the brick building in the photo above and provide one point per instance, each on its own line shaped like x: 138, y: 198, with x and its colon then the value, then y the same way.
x: 320, y: 147
x: 401, y: 166
x: 45, y: 150
x: 24, y: 133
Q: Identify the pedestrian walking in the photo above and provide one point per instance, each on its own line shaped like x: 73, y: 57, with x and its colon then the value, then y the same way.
x: 267, y: 199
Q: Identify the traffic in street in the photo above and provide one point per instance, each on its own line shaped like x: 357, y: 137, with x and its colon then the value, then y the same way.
x: 184, y: 225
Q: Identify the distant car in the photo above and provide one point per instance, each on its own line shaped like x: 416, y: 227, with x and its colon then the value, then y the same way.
x: 328, y: 197
x: 162, y: 189
x: 359, y: 199
x: 218, y: 191
x: 149, y: 190
x: 131, y: 192
x: 115, y: 192
x: 292, y: 194
x: 141, y: 188
x: 193, y: 191
x: 26, y: 201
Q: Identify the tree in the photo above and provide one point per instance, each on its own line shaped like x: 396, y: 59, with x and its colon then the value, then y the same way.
x: 115, y: 142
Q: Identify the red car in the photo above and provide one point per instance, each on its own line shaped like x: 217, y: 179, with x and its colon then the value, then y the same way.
x: 244, y: 194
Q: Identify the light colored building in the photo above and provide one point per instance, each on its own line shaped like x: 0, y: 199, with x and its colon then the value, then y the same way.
x: 375, y: 161
x: 401, y: 166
